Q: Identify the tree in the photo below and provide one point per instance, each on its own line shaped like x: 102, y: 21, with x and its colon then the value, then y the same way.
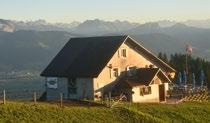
x: 195, y: 65
x: 163, y: 57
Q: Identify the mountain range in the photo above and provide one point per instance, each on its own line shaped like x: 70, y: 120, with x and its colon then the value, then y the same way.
x: 32, y: 45
x: 106, y: 26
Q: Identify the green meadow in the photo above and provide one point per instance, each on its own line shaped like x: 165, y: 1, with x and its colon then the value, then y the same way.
x: 25, y: 112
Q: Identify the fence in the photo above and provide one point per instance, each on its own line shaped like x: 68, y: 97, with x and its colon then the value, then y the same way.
x: 17, y: 95
x: 24, y: 96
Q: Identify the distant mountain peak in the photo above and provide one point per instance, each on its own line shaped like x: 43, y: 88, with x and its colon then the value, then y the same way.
x: 151, y: 25
x: 166, y: 23
x: 199, y: 23
x: 92, y: 22
x: 6, y: 26
x: 179, y: 25
x: 99, y: 27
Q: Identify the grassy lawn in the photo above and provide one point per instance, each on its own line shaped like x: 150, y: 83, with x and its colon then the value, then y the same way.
x: 148, y: 113
x: 185, y: 112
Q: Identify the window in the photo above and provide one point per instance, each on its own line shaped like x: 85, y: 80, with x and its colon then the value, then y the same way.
x: 141, y: 91
x: 72, y: 86
x: 115, y: 72
x: 123, y: 53
x: 145, y: 90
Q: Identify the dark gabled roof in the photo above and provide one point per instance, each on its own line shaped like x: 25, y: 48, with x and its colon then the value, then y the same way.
x: 145, y: 76
x: 136, y: 77
x: 142, y: 76
x: 84, y: 57
x: 87, y: 56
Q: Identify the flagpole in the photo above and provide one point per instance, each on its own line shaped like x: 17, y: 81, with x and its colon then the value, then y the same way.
x: 186, y: 64
x: 188, y: 52
x: 186, y: 67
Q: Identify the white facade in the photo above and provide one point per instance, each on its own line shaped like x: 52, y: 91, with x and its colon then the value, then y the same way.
x: 153, y: 97
x: 84, y: 89
x: 54, y: 93
x: 133, y: 58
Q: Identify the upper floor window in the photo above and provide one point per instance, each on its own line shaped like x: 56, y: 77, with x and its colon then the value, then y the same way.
x: 123, y: 53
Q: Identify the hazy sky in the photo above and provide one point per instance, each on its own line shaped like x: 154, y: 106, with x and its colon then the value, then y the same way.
x: 80, y: 10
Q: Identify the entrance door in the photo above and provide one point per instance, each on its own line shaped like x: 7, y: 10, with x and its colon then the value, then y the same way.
x: 161, y: 92
x: 72, y: 88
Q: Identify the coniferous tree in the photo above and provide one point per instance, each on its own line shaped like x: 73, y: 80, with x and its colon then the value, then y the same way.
x: 195, y: 65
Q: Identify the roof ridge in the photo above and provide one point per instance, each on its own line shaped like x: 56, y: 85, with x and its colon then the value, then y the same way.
x: 100, y: 36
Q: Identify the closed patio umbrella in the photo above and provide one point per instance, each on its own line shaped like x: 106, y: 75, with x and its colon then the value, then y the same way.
x: 180, y: 78
x: 185, y: 77
x: 202, y: 78
x: 193, y: 81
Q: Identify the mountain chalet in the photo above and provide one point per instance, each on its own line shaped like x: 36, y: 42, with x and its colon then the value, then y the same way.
x: 92, y: 67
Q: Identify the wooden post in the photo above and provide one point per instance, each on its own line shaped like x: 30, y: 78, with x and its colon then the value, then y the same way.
x: 110, y: 99
x: 34, y: 97
x: 61, y: 99
x: 4, y: 94
x: 102, y: 98
x: 106, y: 100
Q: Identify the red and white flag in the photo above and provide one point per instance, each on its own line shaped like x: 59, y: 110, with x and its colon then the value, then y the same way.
x: 189, y: 49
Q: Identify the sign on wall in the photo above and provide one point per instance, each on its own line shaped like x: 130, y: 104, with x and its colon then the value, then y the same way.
x: 52, y: 82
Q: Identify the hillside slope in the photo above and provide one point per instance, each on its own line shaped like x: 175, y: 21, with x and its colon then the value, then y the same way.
x: 29, y: 49
x: 147, y: 113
